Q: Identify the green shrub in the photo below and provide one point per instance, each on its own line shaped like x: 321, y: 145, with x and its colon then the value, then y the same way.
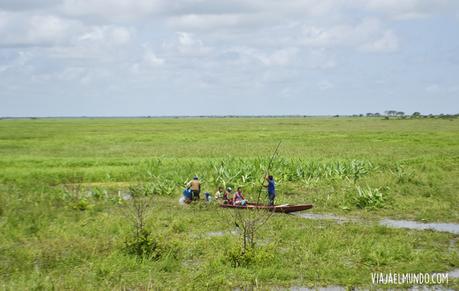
x: 403, y: 175
x: 143, y: 246
x: 178, y: 226
x: 82, y: 204
x: 259, y: 256
x: 237, y: 258
x: 160, y: 186
x: 368, y: 198
x: 98, y: 193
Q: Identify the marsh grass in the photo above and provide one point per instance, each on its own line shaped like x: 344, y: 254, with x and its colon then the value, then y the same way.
x: 62, y: 184
x: 367, y: 197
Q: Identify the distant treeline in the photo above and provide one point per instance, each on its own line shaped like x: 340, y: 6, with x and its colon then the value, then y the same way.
x: 401, y: 115
x: 387, y: 114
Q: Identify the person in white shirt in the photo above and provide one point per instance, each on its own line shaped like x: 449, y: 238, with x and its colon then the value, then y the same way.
x: 219, y: 194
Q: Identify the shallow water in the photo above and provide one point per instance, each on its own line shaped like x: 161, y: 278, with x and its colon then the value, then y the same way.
x: 222, y: 233
x: 444, y: 227
x: 323, y: 216
x: 408, y: 224
x: 329, y: 288
x: 454, y: 274
x: 342, y: 288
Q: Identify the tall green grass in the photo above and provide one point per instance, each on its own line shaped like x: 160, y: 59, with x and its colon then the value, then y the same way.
x: 63, y: 185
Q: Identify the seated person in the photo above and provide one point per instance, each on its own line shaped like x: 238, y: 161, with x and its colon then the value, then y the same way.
x: 219, y: 194
x: 238, y: 198
x: 188, y: 195
x: 227, y: 199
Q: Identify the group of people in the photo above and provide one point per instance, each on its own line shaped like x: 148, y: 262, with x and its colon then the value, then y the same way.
x: 227, y: 197
x: 193, y: 190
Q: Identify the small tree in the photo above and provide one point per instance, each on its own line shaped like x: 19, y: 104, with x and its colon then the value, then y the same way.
x: 140, y: 243
x: 249, y: 221
x: 416, y: 114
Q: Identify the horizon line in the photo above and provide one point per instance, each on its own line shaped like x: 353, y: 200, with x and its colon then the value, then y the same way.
x: 214, y: 116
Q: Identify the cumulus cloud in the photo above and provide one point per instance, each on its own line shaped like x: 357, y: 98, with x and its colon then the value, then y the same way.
x: 233, y: 45
x: 188, y: 45
x: 210, y: 22
x: 24, y: 5
x: 152, y: 59
x: 387, y: 42
x: 369, y: 35
x: 110, y: 9
x: 16, y: 60
x: 19, y: 29
x: 280, y: 57
x: 23, y: 29
x: 410, y: 9
x: 112, y: 35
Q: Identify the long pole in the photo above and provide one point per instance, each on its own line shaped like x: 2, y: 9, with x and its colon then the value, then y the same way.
x: 267, y: 171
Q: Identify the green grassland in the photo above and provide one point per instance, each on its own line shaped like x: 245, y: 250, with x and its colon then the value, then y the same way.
x: 64, y: 225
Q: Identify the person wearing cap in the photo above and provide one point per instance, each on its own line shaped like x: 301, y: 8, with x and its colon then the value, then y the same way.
x: 227, y: 196
x: 195, y: 187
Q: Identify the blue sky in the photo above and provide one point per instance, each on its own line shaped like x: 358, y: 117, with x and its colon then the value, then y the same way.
x: 209, y: 57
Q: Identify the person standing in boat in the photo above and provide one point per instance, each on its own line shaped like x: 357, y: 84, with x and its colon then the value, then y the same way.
x: 195, y: 187
x: 271, y: 189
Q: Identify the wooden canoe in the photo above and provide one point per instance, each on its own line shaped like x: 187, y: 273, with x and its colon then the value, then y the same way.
x: 284, y: 208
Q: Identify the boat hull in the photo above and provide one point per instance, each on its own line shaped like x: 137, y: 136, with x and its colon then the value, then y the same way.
x: 285, y: 208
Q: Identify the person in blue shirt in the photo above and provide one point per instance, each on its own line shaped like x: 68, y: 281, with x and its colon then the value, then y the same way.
x: 271, y: 189
x: 187, y: 195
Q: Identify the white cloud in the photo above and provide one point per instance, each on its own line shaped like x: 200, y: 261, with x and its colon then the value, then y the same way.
x: 207, y: 21
x: 27, y: 29
x: 152, y: 59
x: 279, y: 57
x: 309, y: 8
x: 18, y: 60
x: 186, y: 39
x: 120, y: 35
x: 187, y: 44
x: 388, y: 42
x: 22, y: 29
x: 107, y: 35
x: 266, y: 45
x: 432, y: 88
x: 410, y: 9
x: 111, y: 9
x: 24, y: 5
x: 285, y: 57
x: 73, y: 73
x: 325, y: 85
x: 369, y: 35
x: 320, y: 59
